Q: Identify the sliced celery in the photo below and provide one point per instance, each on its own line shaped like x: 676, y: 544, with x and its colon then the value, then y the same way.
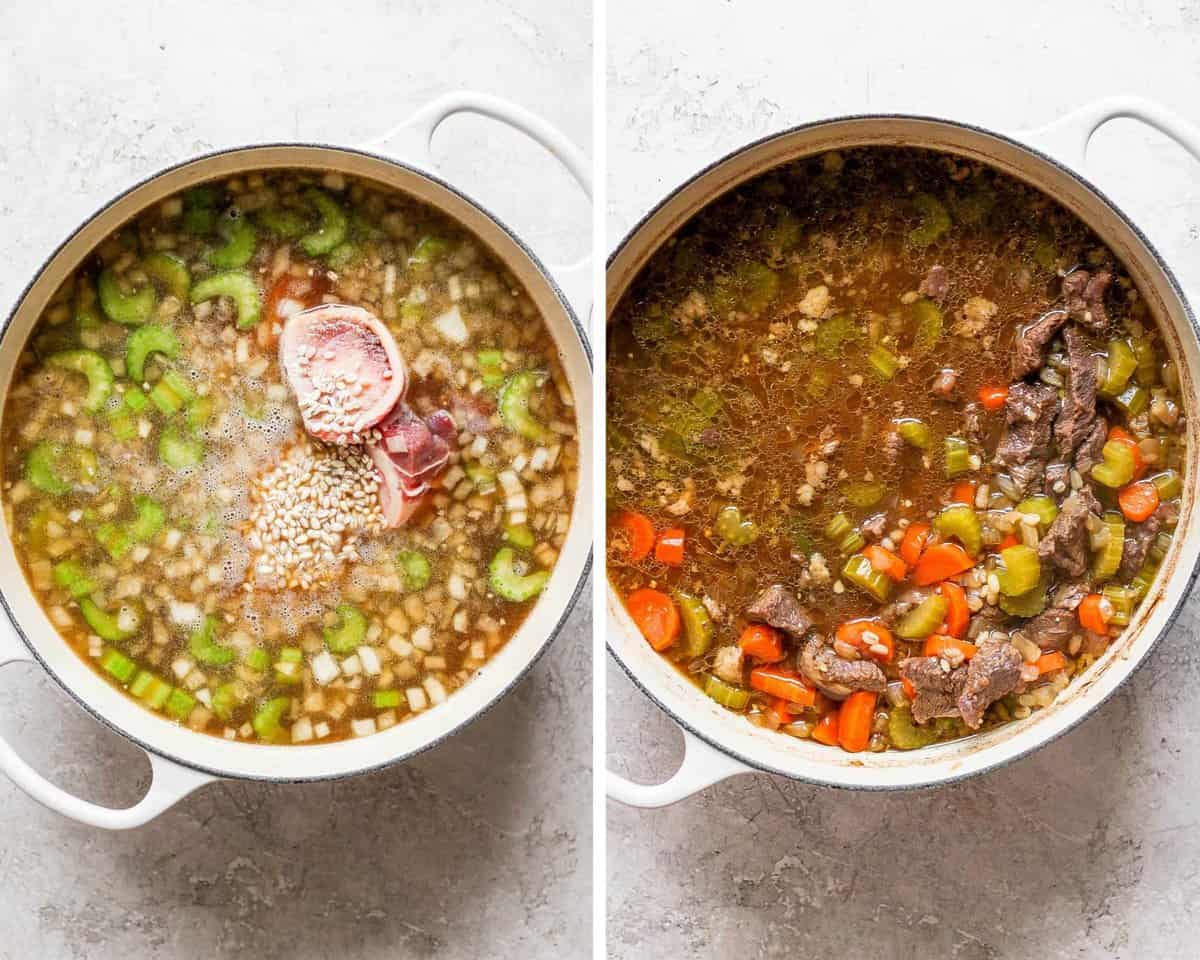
x: 860, y: 572
x: 961, y: 522
x: 924, y: 618
x: 726, y: 694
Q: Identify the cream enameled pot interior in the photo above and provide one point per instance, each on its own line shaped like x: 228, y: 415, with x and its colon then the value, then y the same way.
x: 768, y: 750
x: 496, y: 677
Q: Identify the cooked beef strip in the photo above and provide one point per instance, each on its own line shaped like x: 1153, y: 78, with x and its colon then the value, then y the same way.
x: 1065, y: 544
x: 1025, y: 446
x: 902, y: 602
x: 1029, y: 409
x: 1089, y: 452
x: 994, y: 672
x: 935, y: 284
x: 778, y: 607
x: 944, y: 384
x: 835, y: 677
x: 1083, y: 296
x: 1053, y: 628
x: 874, y: 528
x: 938, y: 688
x: 1074, y: 423
x: 1029, y: 349
x: 1137, y: 543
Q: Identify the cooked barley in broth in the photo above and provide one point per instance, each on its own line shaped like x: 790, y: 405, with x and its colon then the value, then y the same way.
x: 289, y: 555
x: 895, y: 449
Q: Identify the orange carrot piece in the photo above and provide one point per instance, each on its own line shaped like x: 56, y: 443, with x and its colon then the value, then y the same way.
x: 1049, y: 662
x: 884, y: 560
x: 993, y: 397
x: 826, y: 730
x: 825, y: 704
x: 783, y: 683
x: 941, y: 562
x: 777, y: 707
x: 852, y: 632
x: 913, y: 543
x: 1094, y: 613
x: 938, y: 643
x: 1138, y: 500
x: 1009, y: 540
x: 762, y: 642
x: 958, y: 614
x: 655, y: 615
x: 964, y: 492
x: 640, y: 530
x: 856, y: 720
x: 910, y: 688
x: 669, y: 549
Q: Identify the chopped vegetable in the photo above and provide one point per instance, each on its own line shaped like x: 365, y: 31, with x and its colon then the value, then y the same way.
x: 862, y: 573
x: 122, y: 307
x: 883, y: 361
x: 993, y: 398
x: 177, y: 451
x: 883, y: 559
x: 1138, y: 500
x: 961, y: 522
x: 762, y: 642
x: 783, y: 682
x: 958, y: 457
x: 1021, y: 570
x: 905, y: 734
x: 656, y: 616
x: 170, y: 270
x: 915, y: 433
x: 508, y: 583
x: 924, y: 618
x: 867, y: 633
x: 941, y: 562
x: 71, y: 576
x: 928, y: 325
x: 267, y: 719
x: 1169, y: 484
x: 958, y: 614
x: 239, y: 286
x: 93, y: 366
x: 114, y: 628
x: 964, y: 492
x: 856, y: 719
x: 669, y: 548
x: 1043, y: 507
x: 935, y: 220
x: 1119, y: 367
x: 1094, y: 613
x: 1049, y: 662
x: 117, y: 665
x: 726, y: 694
x: 826, y: 730
x: 939, y: 644
x: 733, y: 529
x: 514, y: 406
x: 697, y: 625
x: 332, y: 224
x: 1107, y: 561
x: 1119, y: 464
x: 204, y: 647
x: 414, y: 569
x: 639, y: 532
x: 349, y: 631
x: 913, y: 544
x: 144, y: 341
x: 240, y: 238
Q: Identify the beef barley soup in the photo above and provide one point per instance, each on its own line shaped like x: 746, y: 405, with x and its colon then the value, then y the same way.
x: 895, y: 449
x: 289, y: 457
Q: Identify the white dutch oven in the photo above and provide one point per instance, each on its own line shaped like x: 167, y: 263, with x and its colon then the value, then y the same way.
x: 721, y: 744
x: 181, y: 759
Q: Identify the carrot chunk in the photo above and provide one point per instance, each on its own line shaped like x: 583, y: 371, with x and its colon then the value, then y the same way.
x: 964, y: 492
x: 913, y: 543
x: 1094, y: 613
x: 958, y: 614
x: 941, y: 562
x: 992, y: 398
x: 938, y: 643
x: 669, y: 549
x: 856, y: 720
x: 867, y: 633
x: 640, y: 531
x: 1049, y: 662
x: 783, y: 683
x: 826, y: 730
x: 1138, y: 500
x: 656, y: 616
x: 762, y: 642
x: 887, y: 562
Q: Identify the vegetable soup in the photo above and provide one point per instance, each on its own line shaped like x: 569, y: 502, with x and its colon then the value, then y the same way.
x: 895, y: 449
x: 289, y: 457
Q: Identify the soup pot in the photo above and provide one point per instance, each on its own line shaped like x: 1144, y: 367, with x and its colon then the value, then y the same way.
x: 719, y: 743
x: 181, y: 759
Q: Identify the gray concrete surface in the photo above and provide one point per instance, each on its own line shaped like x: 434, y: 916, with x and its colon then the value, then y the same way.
x: 1086, y: 850
x: 478, y: 849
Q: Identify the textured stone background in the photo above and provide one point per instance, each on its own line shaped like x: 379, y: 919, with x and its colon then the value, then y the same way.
x: 1086, y: 850
x: 478, y: 849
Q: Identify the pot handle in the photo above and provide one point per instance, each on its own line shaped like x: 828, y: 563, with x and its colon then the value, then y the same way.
x: 1067, y: 138
x: 702, y: 766
x: 411, y: 141
x: 170, y: 782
